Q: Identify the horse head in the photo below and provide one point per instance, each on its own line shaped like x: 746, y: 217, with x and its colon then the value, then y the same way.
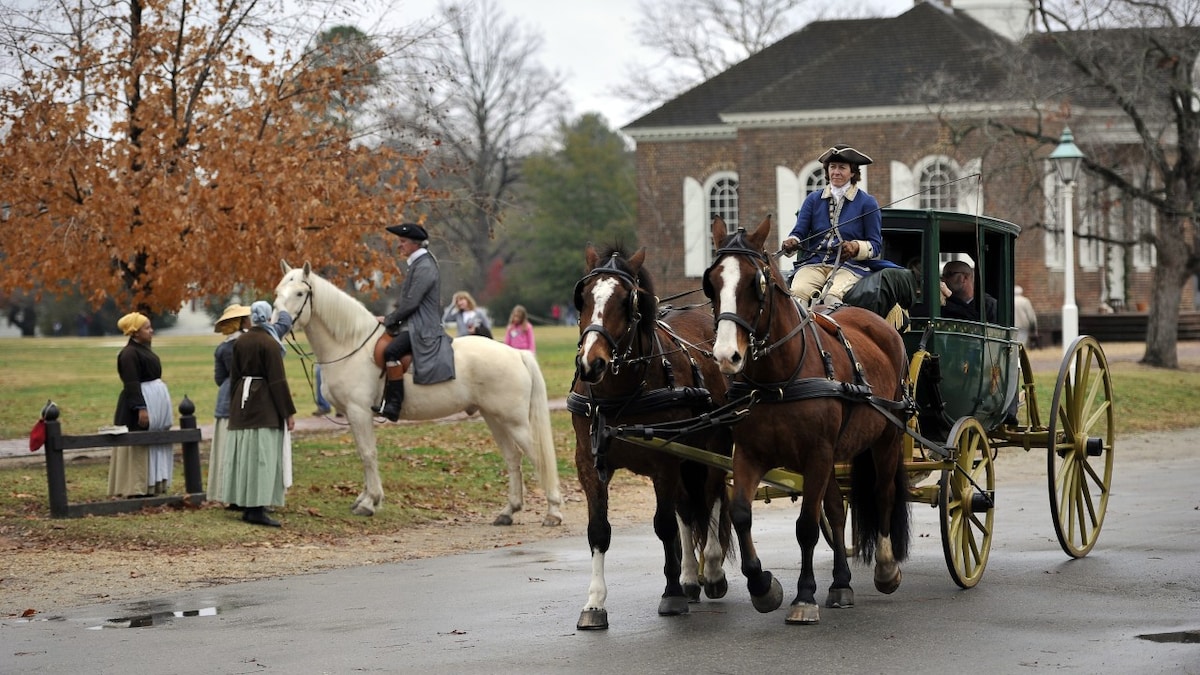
x: 615, y: 300
x: 741, y: 283
x: 293, y: 294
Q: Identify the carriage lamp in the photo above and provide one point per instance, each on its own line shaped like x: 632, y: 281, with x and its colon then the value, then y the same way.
x: 1067, y: 157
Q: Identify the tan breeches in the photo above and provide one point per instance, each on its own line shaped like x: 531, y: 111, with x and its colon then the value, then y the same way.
x: 810, y: 280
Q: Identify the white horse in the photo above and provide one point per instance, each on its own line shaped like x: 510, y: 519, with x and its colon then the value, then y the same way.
x: 503, y: 384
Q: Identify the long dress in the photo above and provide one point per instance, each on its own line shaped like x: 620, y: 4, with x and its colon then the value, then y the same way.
x: 222, y: 363
x: 260, y: 402
x: 140, y: 469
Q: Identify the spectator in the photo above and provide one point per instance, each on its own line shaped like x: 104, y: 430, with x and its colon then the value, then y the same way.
x: 232, y: 323
x: 1024, y: 318
x: 260, y: 418
x: 143, y: 405
x: 959, y: 277
x: 519, y: 334
x: 468, y: 319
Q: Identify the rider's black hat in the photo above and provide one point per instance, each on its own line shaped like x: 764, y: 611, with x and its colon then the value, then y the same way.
x: 409, y: 231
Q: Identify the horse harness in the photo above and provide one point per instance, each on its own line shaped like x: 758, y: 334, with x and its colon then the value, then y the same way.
x: 696, y: 398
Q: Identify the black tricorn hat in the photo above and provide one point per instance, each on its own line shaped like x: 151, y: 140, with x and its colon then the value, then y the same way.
x: 844, y: 153
x: 409, y: 231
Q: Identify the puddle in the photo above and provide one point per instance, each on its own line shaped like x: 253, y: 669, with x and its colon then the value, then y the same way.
x: 154, y: 618
x: 1183, y: 636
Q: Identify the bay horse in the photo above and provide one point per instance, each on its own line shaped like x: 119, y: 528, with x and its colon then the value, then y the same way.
x: 634, y: 368
x: 812, y: 377
x: 504, y: 385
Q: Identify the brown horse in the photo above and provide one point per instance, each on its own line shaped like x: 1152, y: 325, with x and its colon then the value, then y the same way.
x: 633, y: 368
x: 813, y: 378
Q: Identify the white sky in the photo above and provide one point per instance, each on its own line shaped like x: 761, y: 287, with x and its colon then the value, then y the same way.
x: 590, y: 42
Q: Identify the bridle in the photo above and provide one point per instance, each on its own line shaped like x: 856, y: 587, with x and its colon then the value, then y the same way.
x: 759, y: 333
x: 307, y: 356
x: 621, y: 347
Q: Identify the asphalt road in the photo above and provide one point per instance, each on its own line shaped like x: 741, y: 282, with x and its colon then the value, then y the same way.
x: 514, y: 609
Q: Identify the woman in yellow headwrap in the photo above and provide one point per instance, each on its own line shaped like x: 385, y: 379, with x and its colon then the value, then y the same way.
x: 144, y: 404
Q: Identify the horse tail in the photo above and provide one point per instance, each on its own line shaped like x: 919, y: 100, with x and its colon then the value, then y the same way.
x: 544, y: 457
x: 863, y: 499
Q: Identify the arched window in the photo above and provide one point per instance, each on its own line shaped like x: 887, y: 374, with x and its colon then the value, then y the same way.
x: 723, y: 200
x: 937, y: 187
x: 814, y: 181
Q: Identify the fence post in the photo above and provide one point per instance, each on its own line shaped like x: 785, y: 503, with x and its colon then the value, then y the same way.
x: 56, y: 474
x: 191, y: 449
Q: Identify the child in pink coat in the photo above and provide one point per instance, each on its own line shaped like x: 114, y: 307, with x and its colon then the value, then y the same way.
x: 519, y: 333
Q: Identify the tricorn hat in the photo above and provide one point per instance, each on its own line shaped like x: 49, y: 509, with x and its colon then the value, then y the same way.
x: 231, y: 313
x: 409, y: 231
x: 844, y: 153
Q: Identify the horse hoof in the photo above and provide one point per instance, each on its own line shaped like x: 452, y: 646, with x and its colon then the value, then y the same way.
x: 361, y: 510
x: 673, y: 605
x: 804, y: 614
x: 888, y: 586
x: 593, y: 619
x: 716, y: 589
x: 840, y: 598
x: 551, y: 521
x: 771, y: 600
x: 502, y: 519
x: 692, y: 591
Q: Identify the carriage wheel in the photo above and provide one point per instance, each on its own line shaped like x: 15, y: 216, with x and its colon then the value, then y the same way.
x: 966, y: 503
x: 1080, y: 457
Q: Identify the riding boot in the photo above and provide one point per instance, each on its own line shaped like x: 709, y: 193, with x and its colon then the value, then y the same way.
x: 393, y: 396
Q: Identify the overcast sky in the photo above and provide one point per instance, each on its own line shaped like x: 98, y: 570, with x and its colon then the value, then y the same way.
x: 590, y: 42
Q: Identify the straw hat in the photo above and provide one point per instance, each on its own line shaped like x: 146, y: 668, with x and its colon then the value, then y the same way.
x: 231, y: 318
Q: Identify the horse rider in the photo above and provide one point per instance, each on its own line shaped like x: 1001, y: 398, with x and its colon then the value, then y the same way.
x: 416, y: 323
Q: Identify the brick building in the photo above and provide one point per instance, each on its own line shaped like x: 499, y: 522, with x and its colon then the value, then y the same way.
x: 744, y: 145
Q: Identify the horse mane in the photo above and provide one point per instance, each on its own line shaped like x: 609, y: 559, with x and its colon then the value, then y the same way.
x: 647, y: 299
x: 344, y: 316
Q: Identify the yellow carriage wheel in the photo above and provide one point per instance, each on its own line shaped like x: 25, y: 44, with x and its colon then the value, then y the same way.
x: 967, y: 503
x: 1080, y: 457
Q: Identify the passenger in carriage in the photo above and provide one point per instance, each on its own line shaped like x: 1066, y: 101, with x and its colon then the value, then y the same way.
x: 959, y: 277
x: 839, y: 231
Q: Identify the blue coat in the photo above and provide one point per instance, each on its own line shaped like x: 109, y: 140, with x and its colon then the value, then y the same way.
x: 859, y: 221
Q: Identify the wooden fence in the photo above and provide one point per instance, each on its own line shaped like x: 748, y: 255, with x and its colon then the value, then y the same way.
x: 188, y: 436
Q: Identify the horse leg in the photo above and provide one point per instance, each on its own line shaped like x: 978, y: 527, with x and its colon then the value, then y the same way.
x: 512, y: 458
x: 521, y: 436
x: 765, y: 591
x: 690, y: 576
x: 804, y: 609
x: 713, y: 571
x: 599, y: 533
x: 674, y: 602
x: 362, y: 425
x: 841, y: 595
x: 892, y: 489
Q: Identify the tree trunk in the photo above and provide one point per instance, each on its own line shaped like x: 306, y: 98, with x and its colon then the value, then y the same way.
x: 1162, y: 324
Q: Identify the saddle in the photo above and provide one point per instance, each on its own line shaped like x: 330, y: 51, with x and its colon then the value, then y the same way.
x: 394, y: 372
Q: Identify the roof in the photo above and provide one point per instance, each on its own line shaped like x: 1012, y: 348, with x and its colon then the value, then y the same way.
x: 874, y: 62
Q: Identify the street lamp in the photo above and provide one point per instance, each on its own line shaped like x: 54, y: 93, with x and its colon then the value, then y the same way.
x: 1067, y: 158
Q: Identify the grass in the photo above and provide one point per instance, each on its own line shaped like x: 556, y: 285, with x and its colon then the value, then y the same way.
x: 431, y: 471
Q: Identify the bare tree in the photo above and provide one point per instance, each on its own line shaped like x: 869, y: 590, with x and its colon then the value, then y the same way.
x: 1122, y: 74
x: 490, y: 103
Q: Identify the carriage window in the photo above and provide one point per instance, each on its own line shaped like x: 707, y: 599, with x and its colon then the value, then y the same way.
x: 937, y: 186
x: 723, y: 201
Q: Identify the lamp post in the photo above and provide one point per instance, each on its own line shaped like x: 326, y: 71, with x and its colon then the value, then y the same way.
x: 1067, y: 157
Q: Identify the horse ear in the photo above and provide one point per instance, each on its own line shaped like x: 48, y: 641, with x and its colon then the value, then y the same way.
x: 285, y: 266
x: 719, y: 231
x: 590, y: 257
x: 307, y: 269
x: 637, y: 259
x: 759, y: 237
